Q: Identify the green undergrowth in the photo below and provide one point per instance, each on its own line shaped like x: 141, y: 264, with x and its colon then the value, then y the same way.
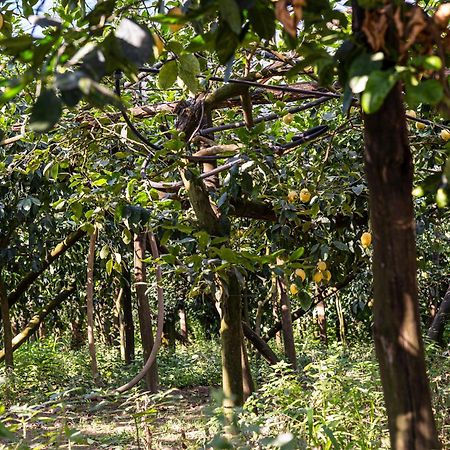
x: 335, y: 402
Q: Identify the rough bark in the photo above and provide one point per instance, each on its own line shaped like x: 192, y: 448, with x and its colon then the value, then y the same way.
x: 286, y: 321
x: 436, y: 330
x: 230, y: 334
x: 38, y: 319
x: 127, y: 319
x: 7, y: 330
x: 145, y: 321
x: 90, y: 306
x: 398, y: 342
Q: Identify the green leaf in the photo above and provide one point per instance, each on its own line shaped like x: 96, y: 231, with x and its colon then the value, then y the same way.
x: 305, y: 299
x: 226, y: 43
x: 46, y: 111
x: 109, y: 266
x: 429, y: 92
x: 230, y: 12
x: 168, y: 75
x: 378, y: 86
x: 126, y: 236
x: 188, y: 69
x: 262, y: 20
x: 104, y: 252
x: 296, y: 254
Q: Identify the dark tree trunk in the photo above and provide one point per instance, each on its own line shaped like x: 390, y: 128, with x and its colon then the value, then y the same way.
x: 230, y: 336
x: 398, y: 342
x: 170, y: 333
x: 90, y: 306
x: 286, y: 321
x: 436, y: 331
x: 247, y: 379
x: 145, y: 321
x: 7, y: 330
x: 127, y: 319
x: 78, y: 334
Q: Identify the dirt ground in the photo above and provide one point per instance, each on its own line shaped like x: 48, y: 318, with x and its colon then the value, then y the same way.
x: 171, y: 421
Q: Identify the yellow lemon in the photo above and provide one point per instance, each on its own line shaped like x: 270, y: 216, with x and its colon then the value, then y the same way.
x: 318, y: 277
x: 366, y: 239
x: 445, y: 135
x: 420, y: 126
x: 293, y: 289
x: 288, y: 118
x: 411, y: 113
x: 175, y: 12
x: 327, y: 275
x: 300, y: 273
x: 292, y: 196
x: 305, y: 195
x: 322, y: 265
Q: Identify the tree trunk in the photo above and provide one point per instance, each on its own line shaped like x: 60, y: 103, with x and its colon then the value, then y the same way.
x: 321, y: 318
x: 7, y: 330
x: 230, y: 336
x: 90, y: 306
x: 145, y: 321
x: 276, y: 318
x: 247, y: 380
x: 127, y: 319
x: 436, y: 331
x: 183, y: 324
x: 170, y: 333
x: 37, y: 320
x: 78, y: 337
x: 286, y: 321
x: 398, y: 342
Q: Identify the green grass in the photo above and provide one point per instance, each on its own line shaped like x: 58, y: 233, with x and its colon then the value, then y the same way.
x: 335, y: 402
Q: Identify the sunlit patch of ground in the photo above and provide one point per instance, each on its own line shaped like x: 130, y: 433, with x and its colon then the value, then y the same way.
x: 138, y: 423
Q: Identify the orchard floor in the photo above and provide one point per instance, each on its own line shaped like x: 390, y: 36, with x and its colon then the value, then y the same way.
x: 97, y: 424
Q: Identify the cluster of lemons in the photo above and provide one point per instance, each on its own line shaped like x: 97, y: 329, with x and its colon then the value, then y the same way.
x: 322, y: 274
x: 304, y: 196
x: 444, y: 134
